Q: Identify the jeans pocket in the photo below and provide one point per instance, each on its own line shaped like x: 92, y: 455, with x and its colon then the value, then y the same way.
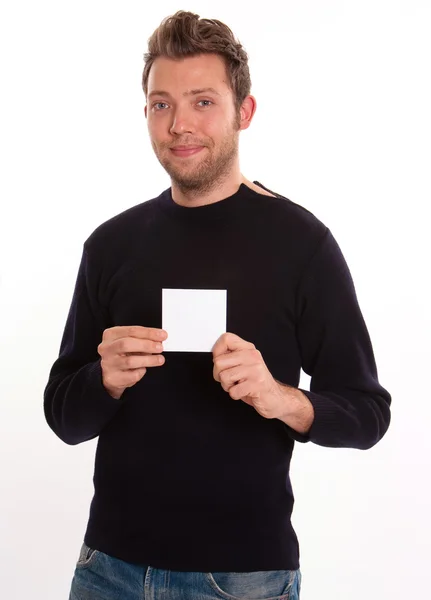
x: 86, y: 556
x: 255, y: 585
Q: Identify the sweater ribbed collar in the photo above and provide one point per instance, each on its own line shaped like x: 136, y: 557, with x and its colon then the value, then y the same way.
x: 225, y: 208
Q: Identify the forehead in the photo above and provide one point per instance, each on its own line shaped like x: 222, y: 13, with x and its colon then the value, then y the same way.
x: 191, y: 72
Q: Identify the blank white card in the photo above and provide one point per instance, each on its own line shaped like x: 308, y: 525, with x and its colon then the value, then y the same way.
x: 193, y: 319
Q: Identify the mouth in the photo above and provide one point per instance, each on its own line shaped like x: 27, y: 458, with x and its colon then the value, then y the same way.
x: 184, y: 151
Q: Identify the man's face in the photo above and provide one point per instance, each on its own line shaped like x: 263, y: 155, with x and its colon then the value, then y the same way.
x: 180, y: 115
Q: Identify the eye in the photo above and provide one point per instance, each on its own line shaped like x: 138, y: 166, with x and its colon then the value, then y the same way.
x: 157, y: 104
x: 210, y: 101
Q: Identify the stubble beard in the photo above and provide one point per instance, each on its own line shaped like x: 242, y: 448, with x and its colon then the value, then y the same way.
x: 210, y: 172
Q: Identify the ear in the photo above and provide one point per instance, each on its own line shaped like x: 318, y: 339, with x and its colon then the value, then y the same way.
x: 247, y: 110
x: 145, y: 111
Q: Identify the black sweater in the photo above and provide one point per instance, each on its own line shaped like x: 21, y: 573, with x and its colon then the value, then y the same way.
x: 185, y: 477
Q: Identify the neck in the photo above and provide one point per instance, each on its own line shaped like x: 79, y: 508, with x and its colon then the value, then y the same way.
x: 219, y: 191
x: 200, y: 198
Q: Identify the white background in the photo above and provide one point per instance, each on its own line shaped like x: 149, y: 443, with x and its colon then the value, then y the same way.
x: 342, y: 128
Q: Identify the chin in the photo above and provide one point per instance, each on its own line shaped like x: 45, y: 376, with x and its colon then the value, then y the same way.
x: 188, y: 184
x: 185, y: 177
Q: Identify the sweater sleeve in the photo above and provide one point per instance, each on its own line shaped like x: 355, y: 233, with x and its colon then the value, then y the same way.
x: 351, y: 408
x: 76, y: 404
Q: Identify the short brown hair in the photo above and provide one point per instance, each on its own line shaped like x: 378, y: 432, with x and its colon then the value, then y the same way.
x: 186, y: 34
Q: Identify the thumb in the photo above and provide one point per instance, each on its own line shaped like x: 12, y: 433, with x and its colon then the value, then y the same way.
x: 228, y: 342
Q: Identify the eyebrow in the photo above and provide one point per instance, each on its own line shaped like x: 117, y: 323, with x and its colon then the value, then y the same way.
x: 189, y: 93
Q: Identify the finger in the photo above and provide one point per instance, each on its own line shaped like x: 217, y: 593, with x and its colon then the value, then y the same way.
x: 231, y: 377
x: 128, y: 346
x: 222, y: 368
x: 135, y: 331
x: 126, y: 363
x: 241, y: 390
x: 132, y: 345
x: 234, y: 359
x: 250, y: 356
x: 229, y: 342
x: 228, y: 386
x: 124, y: 379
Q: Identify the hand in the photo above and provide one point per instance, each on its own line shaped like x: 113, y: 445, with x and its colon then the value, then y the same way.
x: 242, y: 372
x: 126, y: 353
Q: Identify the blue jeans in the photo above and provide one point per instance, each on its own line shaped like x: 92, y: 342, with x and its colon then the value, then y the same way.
x: 102, y: 577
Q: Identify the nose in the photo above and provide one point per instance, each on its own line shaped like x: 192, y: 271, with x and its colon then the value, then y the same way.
x: 182, y: 122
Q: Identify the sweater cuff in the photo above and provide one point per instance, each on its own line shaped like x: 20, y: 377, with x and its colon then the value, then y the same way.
x: 326, y: 429
x: 96, y: 388
x: 295, y: 435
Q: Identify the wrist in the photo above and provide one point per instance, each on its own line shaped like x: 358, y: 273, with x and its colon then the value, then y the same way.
x: 296, y: 410
x: 114, y: 392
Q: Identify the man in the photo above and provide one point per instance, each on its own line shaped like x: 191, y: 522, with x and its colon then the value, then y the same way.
x: 192, y: 491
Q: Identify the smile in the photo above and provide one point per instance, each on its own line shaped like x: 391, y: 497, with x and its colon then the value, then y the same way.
x: 183, y: 152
